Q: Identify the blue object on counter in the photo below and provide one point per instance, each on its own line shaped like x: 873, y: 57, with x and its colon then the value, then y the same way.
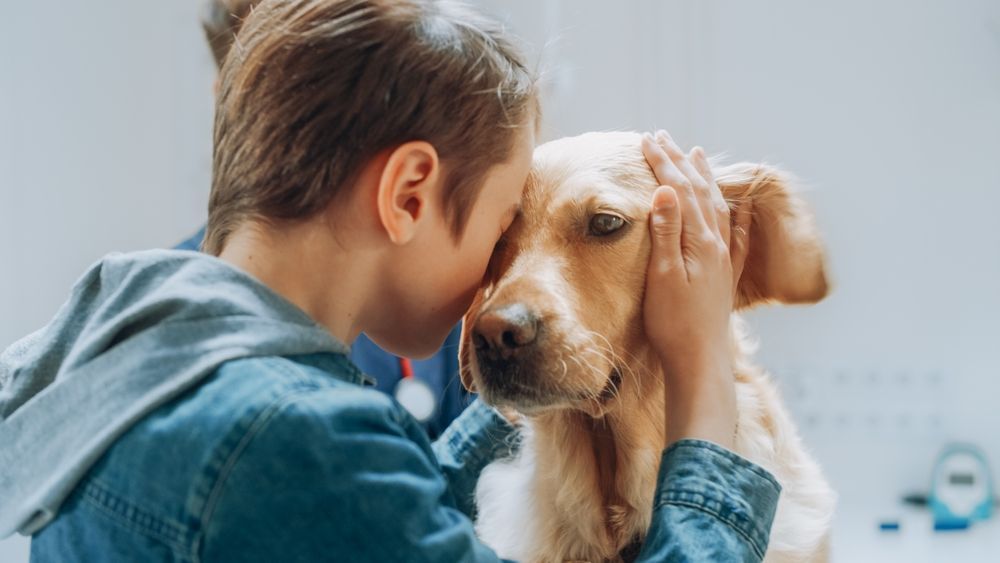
x: 889, y: 526
x: 961, y: 488
x: 950, y: 525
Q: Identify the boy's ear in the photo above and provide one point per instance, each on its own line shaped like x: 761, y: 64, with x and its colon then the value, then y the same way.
x: 786, y: 261
x: 406, y: 188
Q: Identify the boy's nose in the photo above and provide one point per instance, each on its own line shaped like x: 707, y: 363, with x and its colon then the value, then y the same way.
x: 500, y: 332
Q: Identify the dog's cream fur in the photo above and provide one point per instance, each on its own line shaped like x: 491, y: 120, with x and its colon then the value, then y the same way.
x: 582, y: 486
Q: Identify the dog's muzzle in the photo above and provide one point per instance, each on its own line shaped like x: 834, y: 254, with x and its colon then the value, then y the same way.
x: 506, y: 343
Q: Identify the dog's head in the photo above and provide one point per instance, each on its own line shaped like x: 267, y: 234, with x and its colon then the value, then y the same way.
x: 558, y: 323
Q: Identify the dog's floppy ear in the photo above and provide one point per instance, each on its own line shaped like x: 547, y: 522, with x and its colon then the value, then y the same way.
x: 786, y: 261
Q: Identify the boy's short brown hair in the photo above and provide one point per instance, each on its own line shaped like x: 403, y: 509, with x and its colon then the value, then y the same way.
x: 221, y: 21
x: 313, y: 89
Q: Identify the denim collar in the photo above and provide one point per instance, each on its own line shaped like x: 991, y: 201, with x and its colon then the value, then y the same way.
x: 337, y: 365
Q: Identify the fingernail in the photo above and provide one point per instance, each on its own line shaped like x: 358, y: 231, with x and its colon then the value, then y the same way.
x: 664, y: 201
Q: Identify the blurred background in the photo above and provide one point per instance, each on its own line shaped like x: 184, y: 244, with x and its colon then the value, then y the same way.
x: 888, y: 111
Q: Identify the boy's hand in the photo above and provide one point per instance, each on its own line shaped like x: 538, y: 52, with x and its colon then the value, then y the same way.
x: 690, y: 291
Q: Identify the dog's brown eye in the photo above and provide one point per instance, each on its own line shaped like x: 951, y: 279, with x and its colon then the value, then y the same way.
x: 603, y: 224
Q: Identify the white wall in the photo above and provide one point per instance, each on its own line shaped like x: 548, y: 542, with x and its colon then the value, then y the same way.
x: 105, y: 141
x: 889, y: 110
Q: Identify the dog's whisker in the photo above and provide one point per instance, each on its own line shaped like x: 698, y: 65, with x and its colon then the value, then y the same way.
x: 606, y: 355
x: 590, y: 365
x: 620, y: 363
x: 568, y: 353
x: 584, y: 367
x: 610, y: 348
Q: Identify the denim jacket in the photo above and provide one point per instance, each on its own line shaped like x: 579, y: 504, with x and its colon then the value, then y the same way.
x: 178, y: 410
x: 294, y: 459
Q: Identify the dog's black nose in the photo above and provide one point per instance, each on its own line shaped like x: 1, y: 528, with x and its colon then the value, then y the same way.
x: 500, y: 332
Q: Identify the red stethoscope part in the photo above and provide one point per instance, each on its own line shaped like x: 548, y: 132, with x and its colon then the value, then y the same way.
x: 405, y: 367
x: 414, y: 394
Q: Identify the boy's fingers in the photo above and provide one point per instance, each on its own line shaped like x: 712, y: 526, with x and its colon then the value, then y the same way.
x: 701, y: 164
x: 666, y: 227
x: 668, y: 174
x: 700, y: 188
x: 719, y: 204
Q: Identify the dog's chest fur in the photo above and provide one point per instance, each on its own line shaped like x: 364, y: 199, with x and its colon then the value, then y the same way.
x: 582, y: 489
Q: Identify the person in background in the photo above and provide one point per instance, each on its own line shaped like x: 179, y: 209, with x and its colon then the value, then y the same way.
x: 430, y: 389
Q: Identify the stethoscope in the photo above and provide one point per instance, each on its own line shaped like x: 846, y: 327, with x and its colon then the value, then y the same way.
x: 414, y: 394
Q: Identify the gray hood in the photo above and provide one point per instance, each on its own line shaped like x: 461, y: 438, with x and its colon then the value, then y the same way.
x: 138, y: 330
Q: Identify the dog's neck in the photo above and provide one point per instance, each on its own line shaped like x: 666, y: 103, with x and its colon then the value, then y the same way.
x: 612, y: 460
x: 605, y: 457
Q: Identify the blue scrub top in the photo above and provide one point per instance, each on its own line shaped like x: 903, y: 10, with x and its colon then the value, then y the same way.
x: 440, y: 371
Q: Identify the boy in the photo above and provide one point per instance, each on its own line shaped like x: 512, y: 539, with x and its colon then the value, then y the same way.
x: 368, y: 156
x: 436, y: 395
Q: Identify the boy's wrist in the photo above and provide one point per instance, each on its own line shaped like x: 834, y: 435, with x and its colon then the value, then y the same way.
x: 713, y: 430
x: 695, y: 371
x: 700, y: 401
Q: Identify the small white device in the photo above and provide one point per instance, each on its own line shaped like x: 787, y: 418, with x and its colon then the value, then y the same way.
x: 414, y: 394
x: 961, y: 488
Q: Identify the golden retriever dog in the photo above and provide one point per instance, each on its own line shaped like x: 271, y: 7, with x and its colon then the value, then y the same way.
x: 557, y: 335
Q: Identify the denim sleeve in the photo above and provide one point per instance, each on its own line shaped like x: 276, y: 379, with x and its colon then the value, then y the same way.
x: 343, y: 478
x: 710, y: 505
x: 472, y: 441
